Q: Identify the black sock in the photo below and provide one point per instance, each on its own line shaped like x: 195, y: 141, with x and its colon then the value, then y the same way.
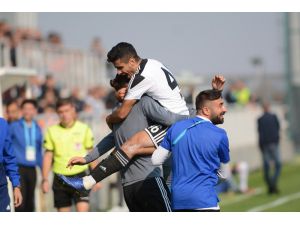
x: 113, y: 163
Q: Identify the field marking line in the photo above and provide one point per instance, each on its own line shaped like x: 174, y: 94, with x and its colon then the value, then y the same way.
x: 277, y: 202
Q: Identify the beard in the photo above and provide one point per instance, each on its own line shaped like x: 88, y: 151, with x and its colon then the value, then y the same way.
x: 217, y: 119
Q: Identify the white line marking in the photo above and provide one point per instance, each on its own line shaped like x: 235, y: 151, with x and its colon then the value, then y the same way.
x: 275, y: 203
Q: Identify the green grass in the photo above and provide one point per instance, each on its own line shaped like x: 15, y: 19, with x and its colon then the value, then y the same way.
x: 289, y: 185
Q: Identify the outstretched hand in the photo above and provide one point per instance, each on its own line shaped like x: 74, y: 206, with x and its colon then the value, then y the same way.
x: 218, y: 82
x: 77, y: 160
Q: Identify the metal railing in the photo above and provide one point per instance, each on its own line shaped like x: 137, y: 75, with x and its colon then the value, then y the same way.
x: 70, y: 67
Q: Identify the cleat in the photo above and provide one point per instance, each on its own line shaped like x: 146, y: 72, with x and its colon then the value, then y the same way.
x: 75, y: 183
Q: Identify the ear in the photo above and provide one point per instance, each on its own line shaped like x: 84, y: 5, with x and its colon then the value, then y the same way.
x: 132, y: 60
x: 205, y: 111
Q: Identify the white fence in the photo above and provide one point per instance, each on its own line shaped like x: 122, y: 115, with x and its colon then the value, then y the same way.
x: 72, y: 68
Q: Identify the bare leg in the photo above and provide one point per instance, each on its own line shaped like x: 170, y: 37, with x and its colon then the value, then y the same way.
x: 138, y: 145
x: 82, y: 206
x: 64, y: 209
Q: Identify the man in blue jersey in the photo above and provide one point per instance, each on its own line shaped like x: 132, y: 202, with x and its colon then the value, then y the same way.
x: 198, y: 147
x: 8, y: 167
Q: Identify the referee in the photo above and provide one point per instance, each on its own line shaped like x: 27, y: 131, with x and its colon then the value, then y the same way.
x: 68, y: 138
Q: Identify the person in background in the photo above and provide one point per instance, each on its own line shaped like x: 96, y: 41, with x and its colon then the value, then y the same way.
x: 66, y: 139
x: 12, y: 112
x: 268, y: 132
x: 27, y: 139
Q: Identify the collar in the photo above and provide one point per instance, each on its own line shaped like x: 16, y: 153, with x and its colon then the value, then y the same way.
x: 204, y: 118
x: 141, y: 66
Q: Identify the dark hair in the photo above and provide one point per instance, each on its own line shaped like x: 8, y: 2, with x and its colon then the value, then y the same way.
x: 29, y: 101
x: 207, y: 95
x: 12, y: 102
x: 122, y: 50
x: 64, y: 101
x: 119, y: 81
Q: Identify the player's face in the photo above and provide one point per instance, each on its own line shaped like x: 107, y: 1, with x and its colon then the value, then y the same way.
x: 126, y: 67
x: 28, y: 111
x: 218, y: 110
x: 67, y: 114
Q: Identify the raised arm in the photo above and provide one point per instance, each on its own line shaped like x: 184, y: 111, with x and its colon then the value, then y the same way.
x: 155, y: 112
x: 121, y: 113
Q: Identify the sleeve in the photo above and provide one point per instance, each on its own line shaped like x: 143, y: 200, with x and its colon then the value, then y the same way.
x: 48, y: 142
x: 139, y: 86
x: 107, y: 143
x: 89, y: 138
x: 167, y: 141
x: 224, y: 149
x: 155, y: 112
x: 159, y: 156
x: 10, y: 162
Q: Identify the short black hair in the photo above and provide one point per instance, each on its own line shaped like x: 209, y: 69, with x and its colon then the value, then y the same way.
x: 29, y: 101
x: 12, y: 102
x: 64, y: 101
x: 119, y: 81
x: 123, y: 50
x: 207, y: 95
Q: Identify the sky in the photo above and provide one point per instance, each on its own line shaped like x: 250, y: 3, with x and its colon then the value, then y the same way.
x: 202, y: 43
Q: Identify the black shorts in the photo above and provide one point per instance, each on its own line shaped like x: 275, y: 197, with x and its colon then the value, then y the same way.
x: 150, y: 195
x: 157, y: 133
x: 65, y: 195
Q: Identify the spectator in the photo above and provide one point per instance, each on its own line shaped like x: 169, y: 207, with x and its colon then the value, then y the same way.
x: 242, y: 93
x: 95, y: 100
x: 49, y: 85
x: 236, y: 178
x: 97, y: 48
x: 12, y: 112
x: 26, y: 137
x: 35, y: 86
x: 49, y: 99
x: 268, y: 131
x: 230, y: 94
x: 76, y: 98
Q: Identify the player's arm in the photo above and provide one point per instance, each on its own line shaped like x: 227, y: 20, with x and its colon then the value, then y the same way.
x: 47, y: 164
x: 160, y: 155
x: 224, y: 149
x: 157, y: 113
x: 138, y: 87
x: 121, y: 113
x: 9, y: 158
x: 47, y: 161
x: 164, y: 150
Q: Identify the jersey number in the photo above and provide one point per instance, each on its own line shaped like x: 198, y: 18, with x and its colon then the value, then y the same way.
x: 171, y: 80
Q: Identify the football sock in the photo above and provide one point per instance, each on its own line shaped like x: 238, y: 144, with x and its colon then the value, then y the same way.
x: 88, y: 182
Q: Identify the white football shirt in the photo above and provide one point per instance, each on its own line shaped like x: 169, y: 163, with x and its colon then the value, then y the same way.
x: 155, y: 80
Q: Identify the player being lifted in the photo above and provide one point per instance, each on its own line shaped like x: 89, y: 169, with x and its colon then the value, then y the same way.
x: 147, y: 76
